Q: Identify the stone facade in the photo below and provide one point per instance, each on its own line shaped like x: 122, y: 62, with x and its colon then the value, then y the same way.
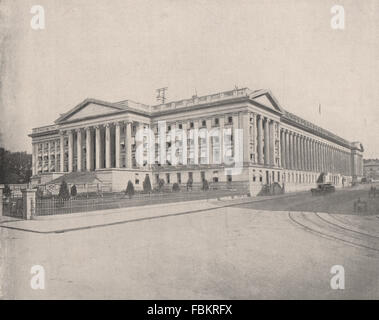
x: 277, y: 145
x: 371, y: 168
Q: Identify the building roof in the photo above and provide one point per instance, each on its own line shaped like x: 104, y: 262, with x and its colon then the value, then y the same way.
x: 263, y: 98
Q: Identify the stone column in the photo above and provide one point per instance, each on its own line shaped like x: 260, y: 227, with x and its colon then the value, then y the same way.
x: 34, y: 159
x: 70, y: 150
x: 29, y: 203
x: 291, y: 150
x: 196, y: 142
x: 288, y: 153
x: 62, y: 152
x: 327, y: 158
x: 272, y: 143
x: 266, y: 142
x: 88, y: 149
x: 48, y: 156
x: 301, y: 157
x: 300, y: 152
x: 311, y: 155
x: 117, y: 144
x: 209, y: 142
x: 260, y: 140
x: 295, y: 159
x: 255, y: 137
x: 235, y: 126
x: 282, y: 149
x: 246, y: 136
x: 222, y: 121
x: 56, y: 156
x: 304, y: 154
x: 322, y: 156
x: 316, y: 156
x: 184, y: 147
x: 107, y: 146
x: 79, y: 149
x: 128, y: 144
x: 98, y: 147
x: 139, y: 151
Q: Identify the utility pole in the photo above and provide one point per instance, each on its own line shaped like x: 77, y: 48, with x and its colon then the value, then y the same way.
x: 161, y: 95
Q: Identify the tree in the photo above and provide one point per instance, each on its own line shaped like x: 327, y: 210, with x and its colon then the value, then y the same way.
x: 175, y: 187
x: 63, y: 191
x: 130, y: 189
x: 205, y: 185
x: 74, y: 192
x: 7, y: 191
x: 147, y: 184
x: 15, y: 167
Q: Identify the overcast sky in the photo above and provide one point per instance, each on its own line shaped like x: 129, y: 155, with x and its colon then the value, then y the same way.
x: 117, y: 49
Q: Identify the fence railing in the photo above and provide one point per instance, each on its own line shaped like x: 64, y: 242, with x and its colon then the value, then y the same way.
x: 83, y: 203
x: 13, y: 206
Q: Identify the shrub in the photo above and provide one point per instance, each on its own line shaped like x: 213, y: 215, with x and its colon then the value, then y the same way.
x: 189, y: 184
x: 130, y: 189
x: 39, y: 193
x: 7, y: 191
x: 63, y: 191
x: 205, y: 185
x: 175, y: 187
x: 147, y: 184
x: 74, y: 192
x: 160, y: 184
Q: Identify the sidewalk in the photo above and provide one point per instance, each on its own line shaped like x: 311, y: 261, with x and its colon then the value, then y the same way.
x: 103, y: 218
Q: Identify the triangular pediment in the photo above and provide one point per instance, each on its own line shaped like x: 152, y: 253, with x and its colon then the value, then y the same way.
x: 89, y: 109
x: 266, y: 99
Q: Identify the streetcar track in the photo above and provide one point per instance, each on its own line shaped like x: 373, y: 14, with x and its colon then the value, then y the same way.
x: 328, y: 236
x: 348, y: 229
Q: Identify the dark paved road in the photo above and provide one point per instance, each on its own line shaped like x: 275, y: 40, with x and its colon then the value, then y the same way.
x: 340, y: 202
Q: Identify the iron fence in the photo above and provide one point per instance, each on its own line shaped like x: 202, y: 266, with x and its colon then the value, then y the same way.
x: 13, y: 206
x: 93, y: 202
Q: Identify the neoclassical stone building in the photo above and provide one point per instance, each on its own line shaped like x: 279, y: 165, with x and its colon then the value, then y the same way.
x: 371, y: 168
x: 98, y: 139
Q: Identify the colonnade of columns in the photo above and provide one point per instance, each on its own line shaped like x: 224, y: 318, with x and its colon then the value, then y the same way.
x: 267, y: 140
x: 113, y: 145
x: 96, y: 147
x: 300, y: 152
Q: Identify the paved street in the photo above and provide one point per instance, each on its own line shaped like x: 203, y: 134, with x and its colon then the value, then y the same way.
x: 232, y: 249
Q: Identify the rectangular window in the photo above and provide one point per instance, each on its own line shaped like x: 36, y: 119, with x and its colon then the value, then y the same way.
x: 179, y: 177
x: 168, y: 177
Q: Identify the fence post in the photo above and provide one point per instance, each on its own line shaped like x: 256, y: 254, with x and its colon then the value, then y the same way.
x: 1, y: 199
x: 29, y: 203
